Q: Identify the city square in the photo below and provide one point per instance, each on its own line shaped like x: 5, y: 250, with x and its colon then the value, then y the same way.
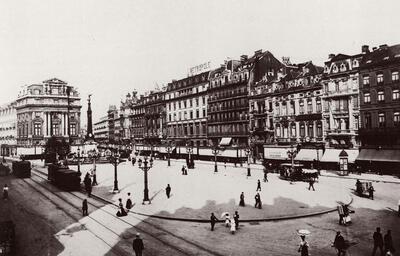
x: 199, y: 128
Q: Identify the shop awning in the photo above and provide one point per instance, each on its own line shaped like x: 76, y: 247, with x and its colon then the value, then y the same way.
x: 381, y: 155
x: 332, y: 155
x: 309, y: 155
x: 225, y: 141
x: 275, y: 153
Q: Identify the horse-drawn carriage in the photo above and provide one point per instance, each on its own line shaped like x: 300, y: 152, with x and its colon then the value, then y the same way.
x: 363, y: 188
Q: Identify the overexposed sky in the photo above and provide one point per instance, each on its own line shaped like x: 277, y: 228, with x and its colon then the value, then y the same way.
x: 109, y: 48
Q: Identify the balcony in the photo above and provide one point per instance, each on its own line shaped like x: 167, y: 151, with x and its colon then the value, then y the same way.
x: 339, y: 132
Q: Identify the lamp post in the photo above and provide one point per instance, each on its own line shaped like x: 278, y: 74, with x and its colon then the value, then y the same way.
x: 79, y: 160
x: 146, y: 165
x: 169, y: 150
x: 248, y: 154
x: 215, y: 152
x: 115, y: 162
x: 291, y: 154
x: 189, y: 150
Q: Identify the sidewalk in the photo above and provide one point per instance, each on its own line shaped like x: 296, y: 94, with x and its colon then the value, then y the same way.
x: 363, y: 177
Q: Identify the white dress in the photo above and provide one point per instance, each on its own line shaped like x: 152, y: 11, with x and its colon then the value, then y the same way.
x: 233, y: 226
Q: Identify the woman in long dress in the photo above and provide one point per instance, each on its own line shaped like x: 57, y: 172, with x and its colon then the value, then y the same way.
x: 233, y: 226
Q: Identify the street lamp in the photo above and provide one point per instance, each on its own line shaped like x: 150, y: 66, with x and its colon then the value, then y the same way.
x: 189, y: 150
x: 146, y: 165
x: 248, y: 154
x: 215, y: 152
x: 169, y: 151
x: 79, y: 160
x: 115, y: 161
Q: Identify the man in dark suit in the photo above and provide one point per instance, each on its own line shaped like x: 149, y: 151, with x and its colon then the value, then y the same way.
x: 378, y: 241
x: 213, y: 220
x: 340, y: 244
x: 168, y: 190
x: 137, y: 245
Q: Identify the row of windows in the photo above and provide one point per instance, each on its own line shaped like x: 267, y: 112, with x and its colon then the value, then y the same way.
x: 381, y: 96
x: 228, y: 116
x: 380, y: 79
x: 37, y: 129
x: 185, y: 116
x: 382, y: 119
x: 291, y: 109
x: 283, y: 131
x: 185, y: 103
x: 182, y: 130
x: 227, y: 105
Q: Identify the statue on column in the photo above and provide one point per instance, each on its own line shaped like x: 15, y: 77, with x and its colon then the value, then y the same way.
x: 89, y: 134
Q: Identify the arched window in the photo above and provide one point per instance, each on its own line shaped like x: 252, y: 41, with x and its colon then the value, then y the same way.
x: 319, y: 129
x: 310, y: 129
x: 293, y: 130
x: 302, y: 130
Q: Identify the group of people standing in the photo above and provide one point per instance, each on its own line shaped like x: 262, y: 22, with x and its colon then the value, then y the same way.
x: 123, y: 211
x: 233, y: 222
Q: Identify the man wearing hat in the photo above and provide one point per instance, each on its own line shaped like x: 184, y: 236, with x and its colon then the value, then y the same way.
x: 339, y: 244
x: 137, y: 245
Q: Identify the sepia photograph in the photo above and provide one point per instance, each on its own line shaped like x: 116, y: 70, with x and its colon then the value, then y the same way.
x: 183, y: 127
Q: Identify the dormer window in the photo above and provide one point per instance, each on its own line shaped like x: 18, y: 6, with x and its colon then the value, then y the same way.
x: 335, y: 69
x: 342, y: 67
x: 355, y: 63
x: 326, y: 69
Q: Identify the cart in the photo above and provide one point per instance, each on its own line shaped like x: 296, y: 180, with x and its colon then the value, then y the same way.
x: 362, y: 188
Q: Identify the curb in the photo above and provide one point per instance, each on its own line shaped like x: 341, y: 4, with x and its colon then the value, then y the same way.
x: 221, y: 221
x: 351, y: 178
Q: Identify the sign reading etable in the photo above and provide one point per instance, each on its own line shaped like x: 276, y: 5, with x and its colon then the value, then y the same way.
x: 200, y: 68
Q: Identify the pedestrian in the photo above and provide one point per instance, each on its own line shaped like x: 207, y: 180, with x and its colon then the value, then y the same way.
x: 168, y: 191
x: 133, y: 161
x: 88, y: 184
x: 388, y: 242
x: 341, y: 214
x: 258, y: 185
x: 265, y: 175
x: 5, y: 191
x: 258, y: 201
x: 137, y: 245
x: 128, y: 202
x: 241, y: 201
x: 213, y: 220
x: 233, y: 226
x: 311, y: 184
x: 303, y: 248
x: 85, y: 207
x: 371, y: 192
x: 227, y: 219
x: 183, y: 170
x: 339, y: 244
x: 378, y: 241
x: 121, y: 211
x: 398, y: 212
x: 236, y: 218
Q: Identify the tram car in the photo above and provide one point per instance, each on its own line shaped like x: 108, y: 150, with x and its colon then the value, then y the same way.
x: 64, y: 178
x: 22, y: 169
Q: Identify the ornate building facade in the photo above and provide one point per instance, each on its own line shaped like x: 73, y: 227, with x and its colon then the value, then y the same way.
x: 51, y: 108
x: 186, y: 110
x: 8, y: 129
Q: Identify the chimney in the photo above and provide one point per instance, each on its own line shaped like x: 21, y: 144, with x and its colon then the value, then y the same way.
x: 331, y: 55
x: 365, y: 49
x: 374, y: 48
x: 383, y: 46
x: 258, y: 52
x: 243, y: 58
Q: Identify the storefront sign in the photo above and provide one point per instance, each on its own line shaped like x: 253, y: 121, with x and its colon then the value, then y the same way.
x: 200, y: 68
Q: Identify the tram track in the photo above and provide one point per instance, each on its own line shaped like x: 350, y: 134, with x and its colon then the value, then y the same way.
x: 165, y: 237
